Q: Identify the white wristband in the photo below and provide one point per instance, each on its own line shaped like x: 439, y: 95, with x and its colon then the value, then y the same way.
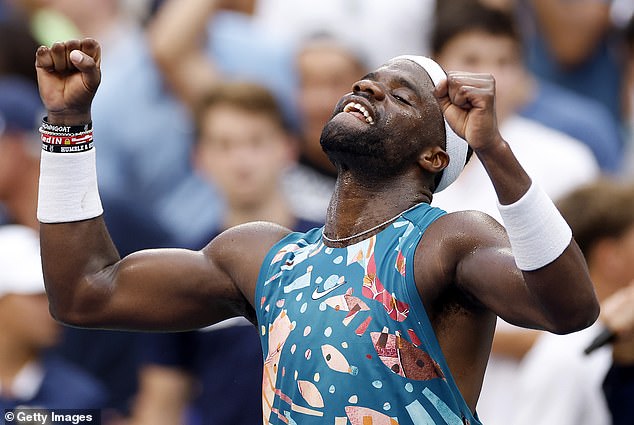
x: 537, y: 231
x: 68, y: 187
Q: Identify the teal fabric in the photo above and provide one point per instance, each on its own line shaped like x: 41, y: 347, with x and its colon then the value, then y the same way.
x: 345, y: 336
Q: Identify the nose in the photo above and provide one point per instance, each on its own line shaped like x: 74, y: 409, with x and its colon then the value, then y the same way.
x: 369, y: 87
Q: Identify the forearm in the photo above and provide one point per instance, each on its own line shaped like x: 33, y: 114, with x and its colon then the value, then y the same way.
x: 179, y: 27
x: 71, y: 254
x: 509, y: 178
x: 573, y: 29
x: 553, y: 267
x: 550, y: 280
x: 177, y: 38
x: 70, y: 216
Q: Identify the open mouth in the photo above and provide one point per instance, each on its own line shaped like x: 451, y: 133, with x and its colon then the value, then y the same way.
x: 359, y: 111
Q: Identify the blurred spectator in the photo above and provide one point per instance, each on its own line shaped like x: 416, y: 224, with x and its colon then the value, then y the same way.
x: 161, y: 193
x: 480, y: 39
x: 327, y: 68
x: 550, y: 104
x: 201, y: 42
x: 573, y: 44
x: 559, y: 384
x: 21, y: 111
x: 29, y: 377
x: 380, y: 29
x: 617, y: 312
x: 244, y: 148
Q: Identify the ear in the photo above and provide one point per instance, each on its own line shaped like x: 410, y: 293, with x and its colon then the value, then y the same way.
x: 433, y: 159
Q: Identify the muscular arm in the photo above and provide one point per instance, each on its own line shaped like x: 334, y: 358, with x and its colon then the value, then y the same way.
x: 88, y: 284
x: 559, y: 296
x: 177, y: 39
x: 164, y: 289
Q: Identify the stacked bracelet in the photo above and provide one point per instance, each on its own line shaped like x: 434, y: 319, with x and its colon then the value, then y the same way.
x: 66, y: 139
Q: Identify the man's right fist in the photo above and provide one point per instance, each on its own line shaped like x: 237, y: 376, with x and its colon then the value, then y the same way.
x: 68, y: 75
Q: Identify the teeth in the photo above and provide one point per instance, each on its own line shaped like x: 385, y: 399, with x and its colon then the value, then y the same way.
x: 350, y: 107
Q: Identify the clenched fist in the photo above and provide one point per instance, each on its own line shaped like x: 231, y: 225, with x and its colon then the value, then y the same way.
x: 68, y: 75
x: 468, y: 103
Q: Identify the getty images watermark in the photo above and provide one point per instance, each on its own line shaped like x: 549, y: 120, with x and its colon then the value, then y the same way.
x: 30, y: 416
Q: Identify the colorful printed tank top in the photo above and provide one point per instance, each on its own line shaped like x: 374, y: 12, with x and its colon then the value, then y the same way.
x: 345, y: 336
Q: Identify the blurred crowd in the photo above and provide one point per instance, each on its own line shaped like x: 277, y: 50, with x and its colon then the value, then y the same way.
x: 209, y: 115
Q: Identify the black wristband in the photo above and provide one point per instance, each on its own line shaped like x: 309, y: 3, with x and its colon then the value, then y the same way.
x: 84, y: 147
x: 65, y: 129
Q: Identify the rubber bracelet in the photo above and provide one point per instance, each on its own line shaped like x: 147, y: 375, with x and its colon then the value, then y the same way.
x: 66, y: 129
x: 69, y: 139
x: 537, y: 231
x: 83, y: 147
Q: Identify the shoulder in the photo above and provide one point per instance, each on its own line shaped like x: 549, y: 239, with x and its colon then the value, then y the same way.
x: 252, y: 240
x: 256, y: 232
x: 460, y: 228
x: 450, y: 239
x: 240, y: 251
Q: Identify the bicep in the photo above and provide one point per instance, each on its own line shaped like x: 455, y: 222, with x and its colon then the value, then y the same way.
x: 490, y: 276
x: 558, y: 297
x: 163, y: 289
x: 485, y: 270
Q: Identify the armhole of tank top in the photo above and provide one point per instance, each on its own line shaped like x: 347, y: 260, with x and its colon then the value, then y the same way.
x: 266, y: 264
x: 418, y: 309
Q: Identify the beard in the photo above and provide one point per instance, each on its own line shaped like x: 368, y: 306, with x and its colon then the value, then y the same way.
x: 363, y: 151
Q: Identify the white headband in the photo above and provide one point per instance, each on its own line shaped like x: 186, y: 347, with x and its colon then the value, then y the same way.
x: 456, y: 146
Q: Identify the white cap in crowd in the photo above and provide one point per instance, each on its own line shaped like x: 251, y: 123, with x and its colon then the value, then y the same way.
x: 20, y: 264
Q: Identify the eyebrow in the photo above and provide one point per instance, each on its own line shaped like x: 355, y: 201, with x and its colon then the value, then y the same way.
x: 405, y: 82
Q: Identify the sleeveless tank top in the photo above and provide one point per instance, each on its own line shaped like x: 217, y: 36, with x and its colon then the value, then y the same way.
x: 345, y: 336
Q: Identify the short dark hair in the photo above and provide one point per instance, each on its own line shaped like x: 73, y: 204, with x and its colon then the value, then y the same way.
x: 455, y: 17
x: 599, y: 210
x: 247, y: 96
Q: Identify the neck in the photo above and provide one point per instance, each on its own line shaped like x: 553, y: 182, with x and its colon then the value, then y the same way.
x: 358, y: 210
x: 274, y: 209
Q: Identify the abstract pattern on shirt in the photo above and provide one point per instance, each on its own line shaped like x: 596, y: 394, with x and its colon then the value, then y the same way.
x: 345, y: 336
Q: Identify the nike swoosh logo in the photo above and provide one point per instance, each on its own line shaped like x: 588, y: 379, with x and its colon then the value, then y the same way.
x: 317, y: 295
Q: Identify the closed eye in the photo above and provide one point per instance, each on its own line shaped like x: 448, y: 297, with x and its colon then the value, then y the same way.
x: 401, y: 99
